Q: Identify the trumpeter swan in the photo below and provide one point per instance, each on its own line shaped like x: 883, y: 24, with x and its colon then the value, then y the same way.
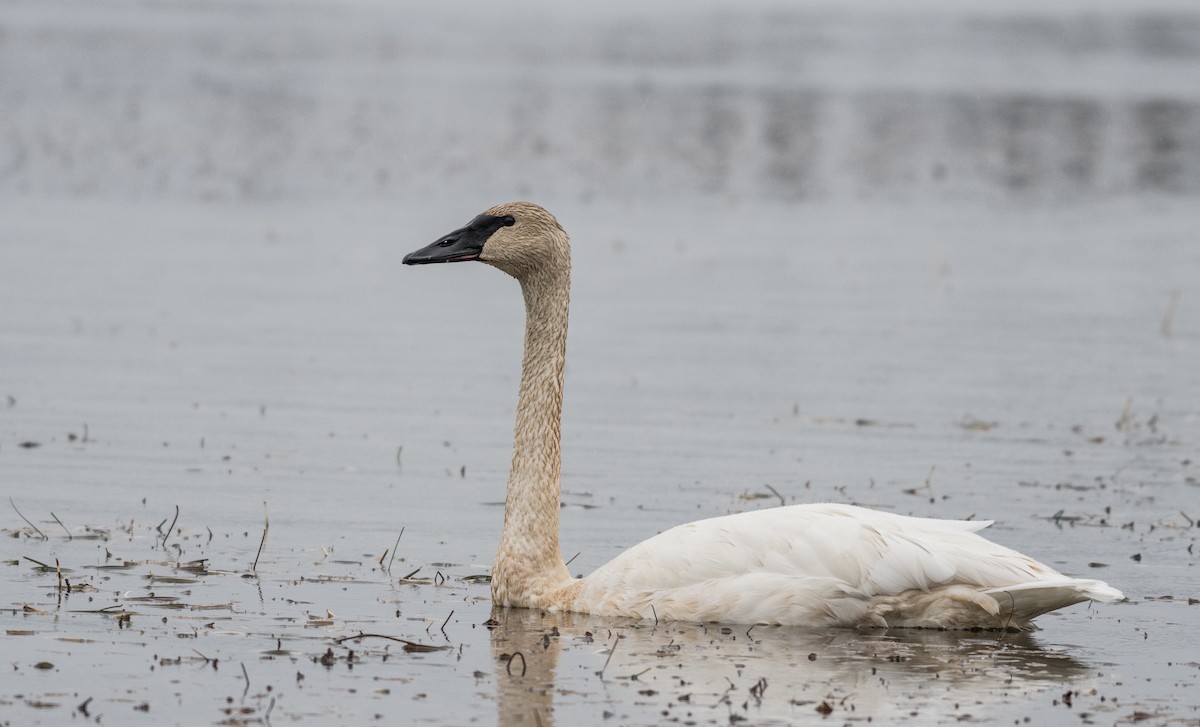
x: 806, y: 565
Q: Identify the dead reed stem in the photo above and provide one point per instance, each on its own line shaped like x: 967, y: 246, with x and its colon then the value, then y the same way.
x: 35, y: 527
x: 263, y: 542
x: 397, y: 545
x: 610, y: 655
x: 775, y: 492
x: 60, y: 523
x: 167, y: 535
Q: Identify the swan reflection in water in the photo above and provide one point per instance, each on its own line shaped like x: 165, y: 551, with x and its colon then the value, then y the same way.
x: 550, y: 665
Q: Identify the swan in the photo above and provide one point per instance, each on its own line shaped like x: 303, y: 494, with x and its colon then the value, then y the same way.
x: 796, y: 565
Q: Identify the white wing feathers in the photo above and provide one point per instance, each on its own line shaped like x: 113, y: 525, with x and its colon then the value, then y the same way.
x: 832, y: 565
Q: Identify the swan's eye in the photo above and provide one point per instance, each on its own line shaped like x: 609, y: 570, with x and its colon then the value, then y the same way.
x: 509, y: 221
x: 447, y: 242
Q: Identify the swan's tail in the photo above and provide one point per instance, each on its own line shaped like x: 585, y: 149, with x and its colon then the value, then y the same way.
x: 1021, y: 603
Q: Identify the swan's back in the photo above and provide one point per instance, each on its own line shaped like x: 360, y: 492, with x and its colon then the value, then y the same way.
x: 832, y: 565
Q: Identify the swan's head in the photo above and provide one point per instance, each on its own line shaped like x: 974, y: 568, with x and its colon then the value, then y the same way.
x: 520, y: 238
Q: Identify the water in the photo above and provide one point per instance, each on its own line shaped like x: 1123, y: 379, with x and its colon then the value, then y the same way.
x: 932, y: 261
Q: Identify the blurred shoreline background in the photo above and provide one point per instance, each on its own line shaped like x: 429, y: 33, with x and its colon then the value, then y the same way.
x: 254, y: 101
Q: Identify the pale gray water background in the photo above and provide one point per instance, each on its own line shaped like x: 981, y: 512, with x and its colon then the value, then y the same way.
x: 937, y: 260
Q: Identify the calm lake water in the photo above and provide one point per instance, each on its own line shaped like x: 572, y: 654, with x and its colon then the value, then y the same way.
x: 938, y: 261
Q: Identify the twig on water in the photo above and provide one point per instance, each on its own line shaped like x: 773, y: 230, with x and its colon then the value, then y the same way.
x: 1012, y: 610
x: 106, y: 611
x: 261, y: 543
x: 64, y: 527
x: 206, y: 659
x: 757, y: 690
x: 524, y: 666
x: 612, y: 649
x: 443, y: 629
x: 397, y: 545
x: 35, y: 527
x: 167, y: 535
x: 247, y: 675
x: 926, y: 487
x: 409, y: 646
x: 776, y: 494
x: 1061, y: 517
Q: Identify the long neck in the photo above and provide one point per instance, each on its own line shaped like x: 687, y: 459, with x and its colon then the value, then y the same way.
x: 529, y: 562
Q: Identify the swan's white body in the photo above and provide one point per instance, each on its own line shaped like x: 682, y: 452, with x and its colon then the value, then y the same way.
x: 831, y: 565
x: 804, y: 565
